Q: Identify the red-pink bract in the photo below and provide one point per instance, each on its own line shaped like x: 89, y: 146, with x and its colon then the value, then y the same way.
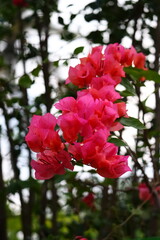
x: 50, y: 163
x: 42, y: 135
x: 89, y: 200
x: 67, y: 104
x: 81, y: 75
x: 113, y: 167
x: 145, y: 194
x: 71, y: 125
x: 20, y: 3
x: 87, y: 120
x: 139, y: 60
x: 80, y: 238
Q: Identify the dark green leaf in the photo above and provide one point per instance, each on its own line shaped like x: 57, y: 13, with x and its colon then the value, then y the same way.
x: 78, y: 50
x: 129, y: 86
x: 35, y: 71
x: 108, y: 181
x: 118, y: 142
x: 96, y: 37
x: 60, y: 20
x: 131, y: 122
x: 56, y: 63
x: 68, y: 176
x: 65, y: 63
x: 25, y: 81
x: 126, y: 93
x: 72, y: 16
x: 138, y: 73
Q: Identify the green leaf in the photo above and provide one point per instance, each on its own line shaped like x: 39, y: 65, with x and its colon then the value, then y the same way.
x: 78, y: 50
x: 35, y: 71
x: 118, y: 142
x: 25, y: 81
x: 126, y: 93
x: 108, y: 181
x: 131, y: 122
x: 60, y: 20
x: 137, y: 73
x: 129, y: 86
x: 56, y: 63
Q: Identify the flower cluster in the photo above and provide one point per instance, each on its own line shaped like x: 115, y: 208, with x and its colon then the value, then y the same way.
x: 46, y: 142
x: 89, y: 200
x: 86, y: 121
x: 20, y: 3
x: 145, y: 194
x: 80, y: 238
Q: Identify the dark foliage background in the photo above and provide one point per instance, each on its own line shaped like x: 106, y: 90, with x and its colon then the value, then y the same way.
x: 53, y: 209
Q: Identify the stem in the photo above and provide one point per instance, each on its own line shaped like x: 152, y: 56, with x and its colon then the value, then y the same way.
x: 125, y: 221
x: 150, y: 187
x: 44, y: 53
x: 3, y: 215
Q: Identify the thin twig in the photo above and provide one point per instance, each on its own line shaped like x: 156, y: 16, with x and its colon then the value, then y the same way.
x: 126, y: 220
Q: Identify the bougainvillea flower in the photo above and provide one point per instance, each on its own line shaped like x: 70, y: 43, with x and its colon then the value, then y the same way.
x: 81, y: 75
x: 106, y: 92
x: 52, y: 141
x: 94, y: 152
x: 95, y: 58
x: 145, y: 194
x: 99, y: 82
x: 113, y: 68
x: 20, y: 3
x: 101, y: 155
x: 42, y: 135
x: 109, y: 93
x: 41, y: 124
x: 86, y: 106
x: 34, y: 142
x: 92, y: 148
x: 106, y: 112
x: 128, y: 57
x: 115, y: 50
x: 71, y: 125
x: 75, y: 150
x: 50, y: 163
x: 87, y: 120
x: 67, y: 104
x: 89, y: 149
x: 121, y: 107
x: 89, y: 200
x: 80, y: 238
x: 114, y: 167
x: 139, y: 60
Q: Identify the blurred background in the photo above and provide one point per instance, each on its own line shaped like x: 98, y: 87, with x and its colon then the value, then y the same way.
x: 39, y: 40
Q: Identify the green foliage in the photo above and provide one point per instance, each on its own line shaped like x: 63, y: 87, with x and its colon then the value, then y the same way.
x: 78, y: 50
x: 129, y: 87
x: 35, y: 71
x: 14, y: 225
x: 25, y: 81
x: 118, y: 142
x: 54, y: 208
x: 131, y: 122
x: 136, y: 74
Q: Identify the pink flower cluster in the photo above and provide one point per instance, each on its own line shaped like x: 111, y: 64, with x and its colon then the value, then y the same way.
x: 80, y: 238
x: 46, y: 142
x: 145, y: 194
x: 89, y: 200
x: 87, y: 121
x: 20, y: 3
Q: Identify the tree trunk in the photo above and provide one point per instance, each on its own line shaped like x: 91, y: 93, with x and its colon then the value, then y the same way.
x: 3, y: 215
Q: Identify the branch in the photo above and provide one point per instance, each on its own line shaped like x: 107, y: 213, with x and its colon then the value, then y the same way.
x: 125, y: 221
